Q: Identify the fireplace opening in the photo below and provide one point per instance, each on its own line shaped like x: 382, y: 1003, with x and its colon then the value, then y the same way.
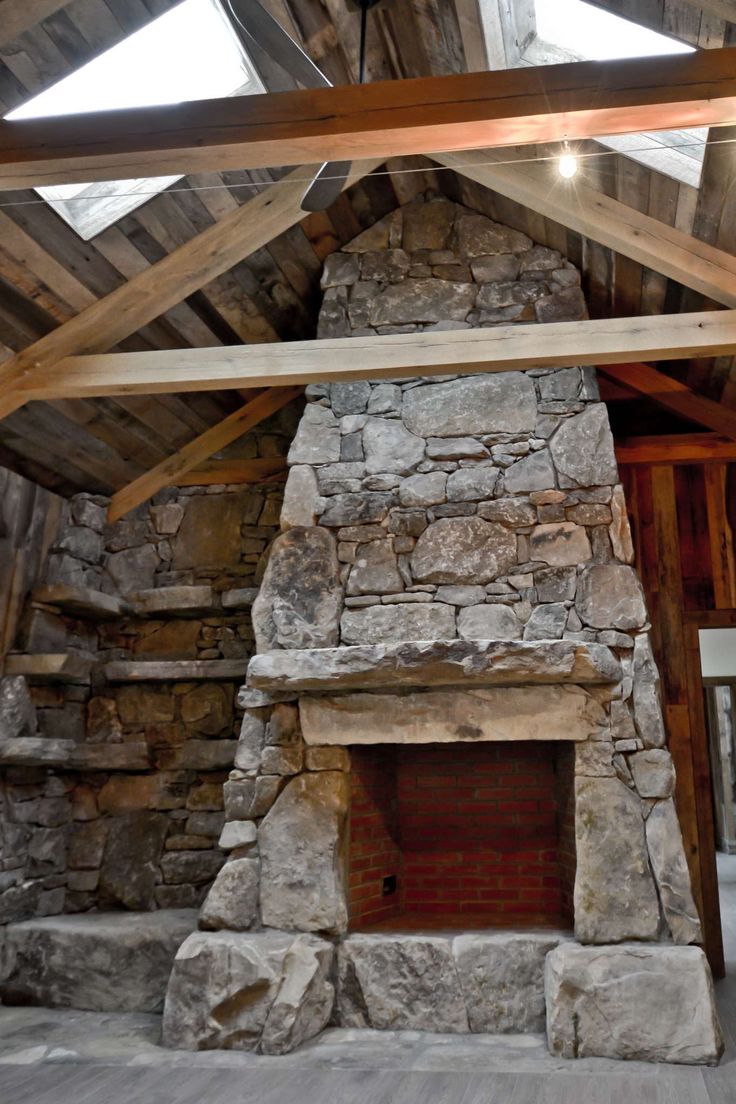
x: 461, y: 836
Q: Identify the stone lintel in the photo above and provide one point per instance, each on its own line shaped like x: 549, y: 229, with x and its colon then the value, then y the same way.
x: 82, y: 602
x: 173, y: 670
x: 51, y: 667
x: 434, y: 663
x: 450, y: 715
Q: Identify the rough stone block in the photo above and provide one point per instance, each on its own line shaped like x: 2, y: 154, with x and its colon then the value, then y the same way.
x: 463, y: 550
x: 502, y: 980
x: 651, y: 1003
x: 504, y: 402
x: 232, y: 901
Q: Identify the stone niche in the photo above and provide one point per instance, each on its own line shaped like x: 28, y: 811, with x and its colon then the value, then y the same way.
x: 452, y: 806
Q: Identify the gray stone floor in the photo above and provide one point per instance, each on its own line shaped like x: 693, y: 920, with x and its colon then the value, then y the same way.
x: 65, y: 1057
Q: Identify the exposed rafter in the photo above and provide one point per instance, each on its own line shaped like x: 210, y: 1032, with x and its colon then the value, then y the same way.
x: 465, y: 111
x: 496, y: 349
x: 604, y: 220
x: 673, y: 395
x: 169, y: 471
x: 144, y: 297
x: 17, y: 16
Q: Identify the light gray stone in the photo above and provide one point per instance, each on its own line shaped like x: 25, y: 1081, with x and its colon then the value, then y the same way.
x: 488, y: 622
x: 503, y: 402
x: 502, y: 979
x: 105, y: 962
x: 646, y: 695
x: 255, y: 991
x: 615, y: 896
x: 439, y: 662
x: 514, y: 513
x: 478, y: 236
x: 389, y: 624
x: 653, y: 772
x: 349, y: 397
x: 582, y: 449
x: 463, y: 550
x: 131, y: 857
x: 560, y: 544
x: 232, y: 901
x: 17, y: 713
x: 667, y: 856
x: 250, y: 743
x: 385, y: 399
x: 449, y: 715
x: 471, y: 484
x: 237, y: 833
x: 609, y: 596
x: 132, y: 568
x: 404, y: 983
x: 420, y: 300
x: 299, y: 602
x: 340, y: 269
x: 533, y: 473
x: 390, y: 447
x: 317, y: 439
x: 357, y: 509
x: 302, y: 886
x: 461, y: 595
x: 302, y: 503
x: 547, y: 622
x: 652, y: 1003
x: 423, y: 490
x: 375, y: 570
x: 458, y: 448
x: 556, y: 584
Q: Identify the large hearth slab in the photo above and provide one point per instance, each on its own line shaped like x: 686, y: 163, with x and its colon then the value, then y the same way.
x: 101, y: 961
x: 434, y: 662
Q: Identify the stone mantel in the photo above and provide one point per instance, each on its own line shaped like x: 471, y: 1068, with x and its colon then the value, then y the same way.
x: 466, y: 663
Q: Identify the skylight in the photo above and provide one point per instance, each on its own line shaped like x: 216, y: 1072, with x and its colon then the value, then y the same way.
x: 544, y: 32
x: 190, y: 53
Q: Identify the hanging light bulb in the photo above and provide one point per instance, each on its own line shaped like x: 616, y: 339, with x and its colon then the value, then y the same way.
x: 567, y: 166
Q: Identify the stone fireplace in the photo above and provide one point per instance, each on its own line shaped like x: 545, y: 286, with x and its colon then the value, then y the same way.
x: 452, y: 805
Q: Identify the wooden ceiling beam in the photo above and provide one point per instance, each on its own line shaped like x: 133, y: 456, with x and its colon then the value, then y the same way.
x: 170, y: 470
x: 169, y: 281
x: 596, y: 216
x: 494, y: 349
x: 270, y: 469
x: 673, y: 395
x: 382, y: 119
x: 677, y: 448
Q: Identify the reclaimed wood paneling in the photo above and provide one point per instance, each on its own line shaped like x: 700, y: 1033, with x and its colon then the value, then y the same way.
x: 686, y: 556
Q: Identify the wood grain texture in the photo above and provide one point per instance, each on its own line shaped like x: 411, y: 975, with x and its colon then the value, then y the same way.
x: 464, y: 111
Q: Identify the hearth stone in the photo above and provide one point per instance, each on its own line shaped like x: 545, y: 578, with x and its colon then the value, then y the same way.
x: 300, y: 842
x: 106, y: 962
x: 440, y: 662
x: 450, y: 715
x: 652, y: 1003
x: 502, y: 978
x: 265, y: 991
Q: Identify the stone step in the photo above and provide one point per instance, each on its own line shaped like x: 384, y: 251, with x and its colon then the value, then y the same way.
x: 82, y: 602
x: 51, y: 667
x: 37, y: 751
x: 104, y: 962
x: 175, y: 601
x: 434, y: 663
x: 175, y: 670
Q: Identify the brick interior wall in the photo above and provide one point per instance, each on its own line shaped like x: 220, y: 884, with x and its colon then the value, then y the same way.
x: 475, y: 835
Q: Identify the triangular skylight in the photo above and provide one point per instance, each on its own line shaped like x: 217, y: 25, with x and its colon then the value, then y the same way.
x: 543, y: 32
x: 190, y: 53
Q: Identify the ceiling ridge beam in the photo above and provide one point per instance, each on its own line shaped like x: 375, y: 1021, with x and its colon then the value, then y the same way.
x: 382, y: 119
x: 607, y: 221
x: 201, y: 448
x: 493, y: 349
x: 168, y: 282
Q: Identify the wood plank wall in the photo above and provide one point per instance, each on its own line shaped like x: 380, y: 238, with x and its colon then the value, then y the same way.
x: 29, y: 519
x: 684, y: 521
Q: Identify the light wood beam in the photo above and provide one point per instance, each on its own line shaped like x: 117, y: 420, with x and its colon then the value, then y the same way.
x: 677, y: 448
x: 170, y: 470
x: 265, y: 470
x: 17, y: 16
x: 496, y: 349
x: 604, y: 220
x: 162, y: 285
x: 676, y: 396
x: 382, y: 119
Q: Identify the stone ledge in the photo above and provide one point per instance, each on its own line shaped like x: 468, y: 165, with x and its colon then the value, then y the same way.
x: 37, y: 751
x: 51, y: 667
x: 434, y: 663
x: 82, y: 602
x: 175, y: 670
x: 174, y: 601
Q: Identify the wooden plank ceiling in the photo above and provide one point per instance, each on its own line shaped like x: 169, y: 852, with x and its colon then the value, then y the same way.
x: 48, y: 274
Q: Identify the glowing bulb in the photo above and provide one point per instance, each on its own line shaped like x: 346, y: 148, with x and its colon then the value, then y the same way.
x: 567, y: 165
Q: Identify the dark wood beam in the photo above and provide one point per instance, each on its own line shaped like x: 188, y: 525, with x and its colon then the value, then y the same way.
x: 465, y: 111
x: 673, y: 395
x: 676, y: 448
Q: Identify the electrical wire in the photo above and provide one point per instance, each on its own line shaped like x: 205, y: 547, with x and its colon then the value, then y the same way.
x: 537, y: 159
